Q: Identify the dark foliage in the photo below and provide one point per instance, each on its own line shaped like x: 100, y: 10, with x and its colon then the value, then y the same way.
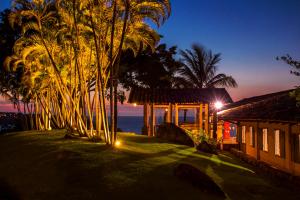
x: 7, y: 192
x: 149, y: 69
x: 9, y: 81
x: 205, y: 147
x: 295, y: 64
x: 8, y: 36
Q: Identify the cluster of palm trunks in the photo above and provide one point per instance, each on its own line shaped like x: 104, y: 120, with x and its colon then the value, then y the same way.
x: 69, y: 54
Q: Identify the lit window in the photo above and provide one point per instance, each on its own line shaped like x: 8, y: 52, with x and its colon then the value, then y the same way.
x: 243, y: 134
x: 251, y: 135
x: 265, y: 139
x: 277, y: 142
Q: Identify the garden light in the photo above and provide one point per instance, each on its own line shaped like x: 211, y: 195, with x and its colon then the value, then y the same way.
x: 117, y: 143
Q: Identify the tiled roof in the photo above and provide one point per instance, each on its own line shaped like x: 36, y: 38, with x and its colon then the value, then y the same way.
x: 278, y: 106
x: 181, y: 96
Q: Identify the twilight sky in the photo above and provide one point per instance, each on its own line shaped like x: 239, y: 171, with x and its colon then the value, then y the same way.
x: 248, y: 33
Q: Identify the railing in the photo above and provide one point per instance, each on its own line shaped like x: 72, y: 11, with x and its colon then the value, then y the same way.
x: 231, y: 140
x: 190, y: 126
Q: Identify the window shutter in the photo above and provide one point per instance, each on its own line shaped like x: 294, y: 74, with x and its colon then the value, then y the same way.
x: 293, y: 145
x: 282, y: 144
x: 253, y: 136
x: 296, y: 148
x: 239, y: 135
x: 260, y: 140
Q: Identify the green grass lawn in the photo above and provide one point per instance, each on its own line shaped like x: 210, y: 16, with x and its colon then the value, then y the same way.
x: 44, y: 165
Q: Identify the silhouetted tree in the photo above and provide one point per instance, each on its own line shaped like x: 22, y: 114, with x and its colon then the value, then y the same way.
x: 295, y: 64
x: 9, y: 81
x: 150, y: 69
x: 199, y: 69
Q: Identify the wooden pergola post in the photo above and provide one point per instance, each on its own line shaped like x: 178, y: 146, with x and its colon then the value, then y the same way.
x: 201, y: 116
x: 146, y: 119
x: 152, y: 121
x: 176, y: 114
x: 169, y: 114
x: 206, y: 117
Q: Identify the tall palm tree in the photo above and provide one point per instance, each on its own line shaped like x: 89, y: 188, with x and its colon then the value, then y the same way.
x: 199, y: 69
x: 135, y: 34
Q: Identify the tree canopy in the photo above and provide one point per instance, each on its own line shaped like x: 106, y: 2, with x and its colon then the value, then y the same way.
x: 150, y: 69
x: 295, y: 64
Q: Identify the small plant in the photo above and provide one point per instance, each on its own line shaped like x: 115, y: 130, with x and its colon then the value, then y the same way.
x: 203, y: 142
x: 195, y: 136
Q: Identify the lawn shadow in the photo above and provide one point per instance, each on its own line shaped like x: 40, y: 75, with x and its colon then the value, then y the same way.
x: 143, y: 139
x: 7, y: 192
x: 238, y: 179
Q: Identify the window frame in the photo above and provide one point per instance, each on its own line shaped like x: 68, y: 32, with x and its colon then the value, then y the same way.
x: 251, y: 136
x: 243, y: 134
x: 277, y: 147
x: 265, y: 144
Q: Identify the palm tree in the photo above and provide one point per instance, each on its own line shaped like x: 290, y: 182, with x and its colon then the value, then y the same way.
x: 135, y: 34
x: 199, y: 70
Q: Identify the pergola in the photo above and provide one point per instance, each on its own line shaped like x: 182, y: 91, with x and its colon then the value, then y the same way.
x: 174, y: 99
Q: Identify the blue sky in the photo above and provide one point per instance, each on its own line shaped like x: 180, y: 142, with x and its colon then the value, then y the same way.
x: 248, y: 33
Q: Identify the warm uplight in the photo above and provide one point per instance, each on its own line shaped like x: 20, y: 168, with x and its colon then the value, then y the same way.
x: 118, y: 143
x: 218, y: 105
x: 166, y: 109
x: 134, y: 104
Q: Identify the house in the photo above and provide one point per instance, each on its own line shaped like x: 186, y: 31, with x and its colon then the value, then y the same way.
x: 268, y: 129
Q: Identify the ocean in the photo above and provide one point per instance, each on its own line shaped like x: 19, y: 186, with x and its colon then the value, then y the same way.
x: 131, y: 123
x: 135, y: 123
